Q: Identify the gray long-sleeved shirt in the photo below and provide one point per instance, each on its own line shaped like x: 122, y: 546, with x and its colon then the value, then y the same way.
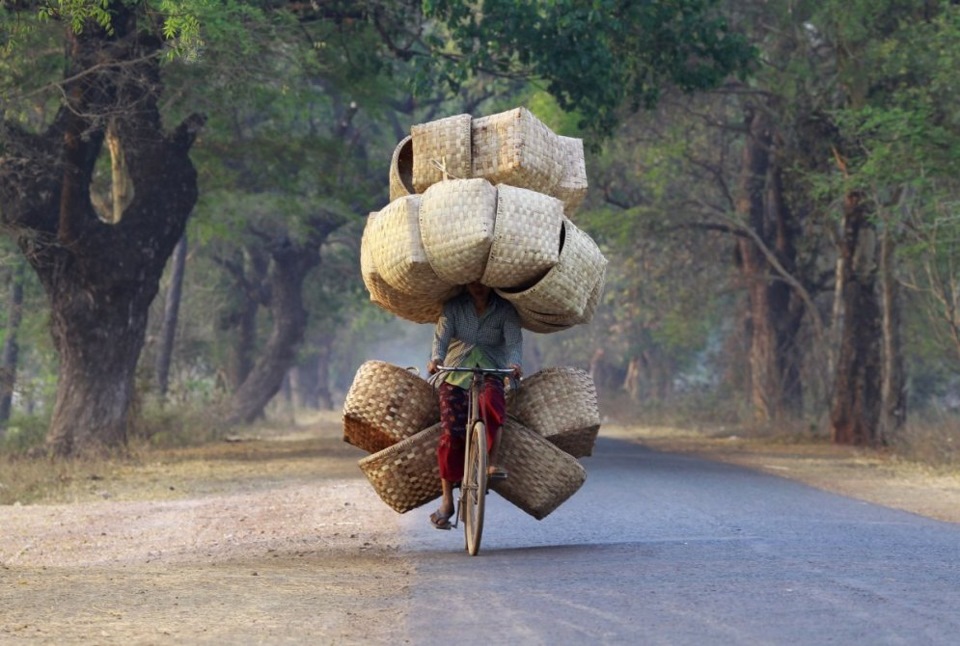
x: 495, y: 333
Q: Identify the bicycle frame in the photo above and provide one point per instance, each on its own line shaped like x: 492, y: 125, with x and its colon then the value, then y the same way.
x: 473, y: 487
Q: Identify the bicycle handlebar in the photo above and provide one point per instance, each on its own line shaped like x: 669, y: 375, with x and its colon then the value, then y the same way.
x: 486, y: 371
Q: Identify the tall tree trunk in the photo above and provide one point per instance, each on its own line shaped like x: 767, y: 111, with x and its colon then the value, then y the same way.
x: 100, y: 277
x: 171, y: 314
x: 774, y: 316
x: 11, y: 349
x: 755, y: 271
x: 893, y: 414
x: 324, y: 396
x: 857, y: 390
x: 290, y: 264
x: 248, y: 292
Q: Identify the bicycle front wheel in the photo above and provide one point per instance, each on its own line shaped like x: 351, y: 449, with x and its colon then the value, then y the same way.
x: 474, y: 487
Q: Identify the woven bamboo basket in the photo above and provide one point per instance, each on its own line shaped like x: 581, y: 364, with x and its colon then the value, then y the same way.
x: 561, y: 405
x: 516, y: 148
x: 441, y: 150
x: 401, y: 169
x: 526, y: 238
x: 406, y: 475
x: 536, y: 323
x: 549, y: 323
x: 542, y: 477
x: 562, y: 294
x: 386, y: 404
x: 398, y: 251
x: 457, y: 222
x: 416, y: 307
x: 572, y: 187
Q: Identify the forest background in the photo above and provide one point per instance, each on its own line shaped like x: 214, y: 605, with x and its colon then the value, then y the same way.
x: 183, y: 186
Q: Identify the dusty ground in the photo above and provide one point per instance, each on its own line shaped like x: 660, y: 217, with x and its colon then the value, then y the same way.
x: 280, y: 539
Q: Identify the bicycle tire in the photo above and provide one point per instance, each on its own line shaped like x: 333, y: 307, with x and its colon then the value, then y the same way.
x: 474, y: 488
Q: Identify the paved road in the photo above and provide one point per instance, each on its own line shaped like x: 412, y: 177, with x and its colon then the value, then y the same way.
x: 667, y: 549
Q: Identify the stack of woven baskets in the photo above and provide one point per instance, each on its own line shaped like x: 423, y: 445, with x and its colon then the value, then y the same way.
x: 553, y: 420
x: 489, y: 200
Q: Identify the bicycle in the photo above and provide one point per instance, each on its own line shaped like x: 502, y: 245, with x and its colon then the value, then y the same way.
x: 473, y: 487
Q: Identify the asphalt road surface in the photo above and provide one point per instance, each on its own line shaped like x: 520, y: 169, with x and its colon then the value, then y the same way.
x: 668, y: 549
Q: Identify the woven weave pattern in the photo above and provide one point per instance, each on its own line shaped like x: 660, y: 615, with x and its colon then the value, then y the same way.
x: 406, y: 475
x: 541, y: 477
x: 561, y: 405
x: 516, y: 148
x: 564, y: 291
x: 386, y: 404
x: 441, y: 150
x: 398, y: 251
x: 572, y: 188
x: 457, y: 221
x: 416, y: 306
x: 526, y: 238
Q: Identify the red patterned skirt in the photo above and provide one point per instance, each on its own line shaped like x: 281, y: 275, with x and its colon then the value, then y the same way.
x: 454, y: 411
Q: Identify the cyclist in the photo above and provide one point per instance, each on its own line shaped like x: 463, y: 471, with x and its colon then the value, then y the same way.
x: 478, y: 328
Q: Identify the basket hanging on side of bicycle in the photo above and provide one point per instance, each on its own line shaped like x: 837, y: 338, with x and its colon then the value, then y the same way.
x: 542, y: 476
x: 560, y: 404
x: 385, y: 405
x: 406, y: 475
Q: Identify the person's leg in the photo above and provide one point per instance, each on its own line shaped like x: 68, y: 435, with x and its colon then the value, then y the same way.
x: 450, y: 450
x: 493, y: 410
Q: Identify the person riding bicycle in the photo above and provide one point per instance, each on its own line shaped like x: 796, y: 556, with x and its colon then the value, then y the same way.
x: 477, y: 328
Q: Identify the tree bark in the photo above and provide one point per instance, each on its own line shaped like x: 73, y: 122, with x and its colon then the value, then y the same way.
x: 856, y: 407
x: 100, y: 277
x: 171, y: 314
x: 773, y: 320
x: 11, y: 348
x: 893, y: 414
x: 289, y: 267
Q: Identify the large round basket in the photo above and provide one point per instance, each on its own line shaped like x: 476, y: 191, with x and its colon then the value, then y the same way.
x: 406, y: 475
x: 457, y: 220
x: 564, y: 291
x: 416, y: 306
x: 542, y: 476
x: 526, y: 239
x: 398, y: 252
x: 441, y: 150
x: 549, y: 323
x: 516, y: 148
x: 561, y: 405
x: 387, y: 404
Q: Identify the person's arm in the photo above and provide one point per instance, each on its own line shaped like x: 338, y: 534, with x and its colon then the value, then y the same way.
x: 441, y: 341
x: 513, y: 340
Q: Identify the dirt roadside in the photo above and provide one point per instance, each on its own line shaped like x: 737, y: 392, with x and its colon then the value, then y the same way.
x: 278, y: 539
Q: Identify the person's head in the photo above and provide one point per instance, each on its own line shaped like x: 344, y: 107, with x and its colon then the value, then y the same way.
x: 478, y: 291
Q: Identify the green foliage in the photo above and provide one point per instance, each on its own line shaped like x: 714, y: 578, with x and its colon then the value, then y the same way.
x: 594, y: 56
x: 77, y: 13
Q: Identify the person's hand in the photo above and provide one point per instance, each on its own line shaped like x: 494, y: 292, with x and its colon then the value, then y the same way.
x: 432, y: 366
x: 517, y: 370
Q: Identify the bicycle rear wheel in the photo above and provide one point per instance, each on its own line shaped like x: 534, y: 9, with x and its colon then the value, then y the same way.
x: 474, y: 487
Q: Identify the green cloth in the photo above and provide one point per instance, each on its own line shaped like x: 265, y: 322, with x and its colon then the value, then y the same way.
x: 475, y: 359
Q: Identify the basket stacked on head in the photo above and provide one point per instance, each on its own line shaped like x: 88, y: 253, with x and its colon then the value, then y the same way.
x: 488, y: 200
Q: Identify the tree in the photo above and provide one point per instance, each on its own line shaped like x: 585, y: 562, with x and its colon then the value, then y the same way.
x: 100, y: 274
